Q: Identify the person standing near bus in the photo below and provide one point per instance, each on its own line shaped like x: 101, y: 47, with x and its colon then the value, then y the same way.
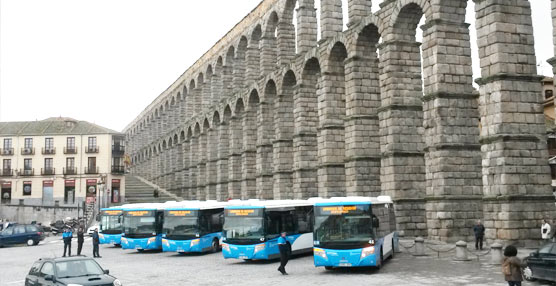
x: 80, y: 239
x: 284, y: 251
x: 479, y: 230
x: 66, y: 236
x: 96, y: 242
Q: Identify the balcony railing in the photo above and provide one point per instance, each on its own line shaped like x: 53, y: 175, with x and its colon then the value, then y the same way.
x: 28, y: 151
x: 70, y: 171
x: 91, y: 149
x: 91, y: 170
x: 118, y: 169
x: 70, y: 150
x: 6, y: 151
x: 49, y: 151
x: 27, y: 172
x: 48, y: 171
x: 6, y: 173
x: 118, y: 149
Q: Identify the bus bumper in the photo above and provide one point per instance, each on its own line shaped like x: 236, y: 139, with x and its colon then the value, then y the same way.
x: 110, y: 238
x: 247, y: 251
x: 345, y: 257
x: 141, y: 243
x: 193, y: 245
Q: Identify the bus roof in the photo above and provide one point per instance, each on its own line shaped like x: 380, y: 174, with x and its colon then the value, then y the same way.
x: 144, y: 206
x: 196, y: 205
x: 237, y: 204
x: 351, y: 200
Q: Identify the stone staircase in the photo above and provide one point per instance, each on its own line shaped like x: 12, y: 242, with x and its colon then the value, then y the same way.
x: 138, y: 190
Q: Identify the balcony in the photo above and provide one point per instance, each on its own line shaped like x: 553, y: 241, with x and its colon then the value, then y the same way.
x: 7, y: 151
x: 26, y: 172
x: 28, y: 151
x: 48, y: 171
x: 118, y: 169
x: 70, y: 150
x: 118, y: 149
x: 6, y: 173
x: 70, y: 171
x: 49, y: 151
x: 91, y: 170
x: 91, y: 149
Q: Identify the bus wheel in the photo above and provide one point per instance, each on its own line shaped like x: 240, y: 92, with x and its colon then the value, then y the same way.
x: 328, y: 267
x: 214, y: 246
x: 140, y: 250
x: 393, y: 250
x: 381, y: 260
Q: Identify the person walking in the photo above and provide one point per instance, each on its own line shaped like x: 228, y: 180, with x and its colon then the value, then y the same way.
x: 545, y: 230
x: 95, y: 244
x: 511, y: 266
x: 67, y: 236
x: 479, y: 230
x: 284, y: 252
x: 80, y: 239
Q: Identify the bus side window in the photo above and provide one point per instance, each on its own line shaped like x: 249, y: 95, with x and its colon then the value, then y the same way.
x: 304, y: 221
x: 203, y: 223
x: 216, y: 220
x: 272, y: 221
x: 288, y: 222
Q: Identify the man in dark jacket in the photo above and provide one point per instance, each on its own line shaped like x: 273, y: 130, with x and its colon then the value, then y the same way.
x: 479, y: 230
x: 95, y: 243
x: 284, y: 252
x: 66, y: 236
x: 80, y: 239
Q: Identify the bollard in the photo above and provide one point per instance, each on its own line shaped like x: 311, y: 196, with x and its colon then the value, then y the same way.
x: 419, y: 246
x: 496, y: 253
x: 461, y: 251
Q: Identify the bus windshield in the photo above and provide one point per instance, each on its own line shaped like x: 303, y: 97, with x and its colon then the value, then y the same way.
x: 347, y: 226
x: 181, y: 225
x: 139, y: 223
x: 110, y: 224
x: 243, y: 225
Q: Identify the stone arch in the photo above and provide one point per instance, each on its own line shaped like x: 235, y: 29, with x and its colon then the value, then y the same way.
x: 240, y: 65
x: 215, y: 118
x: 217, y: 81
x: 164, y: 145
x: 265, y: 138
x: 286, y: 33
x: 407, y: 13
x: 170, y: 142
x: 182, y: 136
x: 253, y: 55
x: 269, y: 52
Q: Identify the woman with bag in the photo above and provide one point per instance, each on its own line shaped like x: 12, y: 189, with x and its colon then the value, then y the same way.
x: 511, y: 266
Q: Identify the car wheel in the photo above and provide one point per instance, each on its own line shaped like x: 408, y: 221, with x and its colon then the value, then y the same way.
x: 328, y: 267
x: 528, y: 274
x: 30, y: 242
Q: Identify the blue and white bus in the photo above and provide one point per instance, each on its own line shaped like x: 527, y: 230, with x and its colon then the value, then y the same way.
x: 354, y: 231
x: 251, y: 228
x: 142, y: 227
x: 193, y: 227
x: 110, y: 228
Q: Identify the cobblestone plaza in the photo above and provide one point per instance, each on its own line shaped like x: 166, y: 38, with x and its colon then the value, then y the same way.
x: 271, y: 112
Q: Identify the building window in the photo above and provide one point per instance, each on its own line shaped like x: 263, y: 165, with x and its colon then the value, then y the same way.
x: 92, y: 165
x: 7, y: 164
x: 27, y: 188
x: 48, y: 163
x: 70, y: 143
x: 92, y: 142
x: 70, y: 163
x: 553, y: 171
x: 49, y: 143
x: 27, y: 164
x: 548, y: 93
x: 8, y: 143
x: 28, y: 143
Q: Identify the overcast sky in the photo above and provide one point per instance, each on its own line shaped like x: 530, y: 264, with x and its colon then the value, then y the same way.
x: 104, y: 61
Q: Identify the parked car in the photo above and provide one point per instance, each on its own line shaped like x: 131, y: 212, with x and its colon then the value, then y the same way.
x: 21, y: 233
x: 541, y: 264
x: 91, y: 229
x: 75, y: 270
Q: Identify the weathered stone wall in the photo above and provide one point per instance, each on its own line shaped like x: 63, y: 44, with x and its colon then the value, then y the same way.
x: 271, y: 113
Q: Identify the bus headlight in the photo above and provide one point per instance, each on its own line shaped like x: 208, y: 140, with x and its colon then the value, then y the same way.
x: 165, y: 242
x: 151, y: 240
x: 259, y: 247
x: 320, y: 252
x: 117, y: 283
x: 101, y: 236
x: 195, y: 242
x: 367, y: 251
x: 225, y: 247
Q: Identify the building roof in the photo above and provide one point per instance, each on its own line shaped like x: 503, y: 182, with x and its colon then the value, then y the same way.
x: 53, y: 126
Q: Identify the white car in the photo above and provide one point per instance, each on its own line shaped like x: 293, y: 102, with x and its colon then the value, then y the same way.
x: 91, y: 229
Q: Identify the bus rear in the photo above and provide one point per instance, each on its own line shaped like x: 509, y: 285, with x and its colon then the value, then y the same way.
x: 142, y: 229
x: 192, y: 230
x: 346, y: 234
x: 110, y: 226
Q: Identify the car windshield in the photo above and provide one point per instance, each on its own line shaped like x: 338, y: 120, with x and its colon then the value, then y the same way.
x: 77, y: 268
x: 343, y: 224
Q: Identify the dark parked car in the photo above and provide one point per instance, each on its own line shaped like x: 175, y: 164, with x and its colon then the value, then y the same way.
x: 76, y: 270
x: 21, y: 233
x: 541, y: 264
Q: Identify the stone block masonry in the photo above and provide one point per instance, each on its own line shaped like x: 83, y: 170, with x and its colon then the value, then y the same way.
x: 269, y: 112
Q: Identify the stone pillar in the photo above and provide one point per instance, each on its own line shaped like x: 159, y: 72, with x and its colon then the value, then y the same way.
x: 331, y: 132
x: 265, y: 136
x: 212, y: 153
x: 362, y: 132
x: 401, y: 129
x: 305, y: 141
x: 268, y: 54
x: 185, y: 190
x: 222, y: 163
x: 227, y: 81
x: 451, y: 120
x: 193, y: 162
x: 286, y: 42
x: 552, y: 61
x: 253, y: 61
x: 358, y: 10
x: 239, y: 71
x: 197, y: 96
x: 306, y: 26
x: 216, y: 90
x: 517, y: 188
x: 202, y: 166
x: 283, y: 145
x: 249, y: 154
x: 206, y: 94
x: 331, y: 18
x: 234, y: 161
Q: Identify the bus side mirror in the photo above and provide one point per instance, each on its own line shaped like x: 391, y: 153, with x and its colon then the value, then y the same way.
x: 50, y: 278
x: 375, y: 222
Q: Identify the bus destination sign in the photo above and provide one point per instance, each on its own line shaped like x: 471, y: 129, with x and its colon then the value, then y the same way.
x: 243, y: 212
